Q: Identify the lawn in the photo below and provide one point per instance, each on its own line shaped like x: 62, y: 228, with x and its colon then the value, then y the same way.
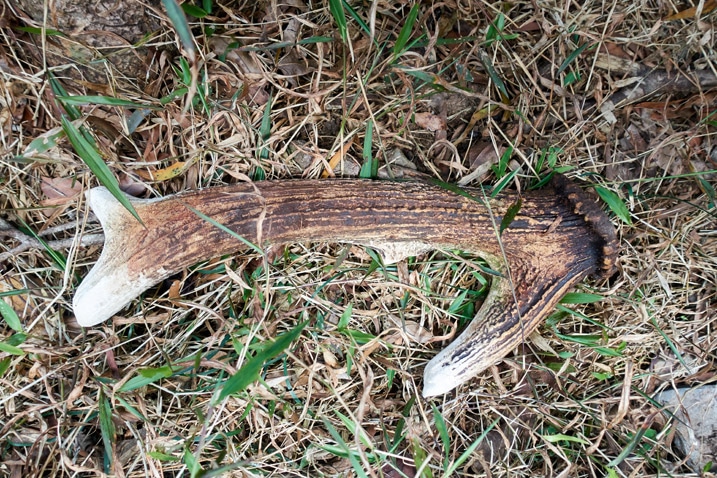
x: 307, y: 358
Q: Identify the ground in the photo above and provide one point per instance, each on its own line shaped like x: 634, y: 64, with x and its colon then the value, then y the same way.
x: 617, y: 96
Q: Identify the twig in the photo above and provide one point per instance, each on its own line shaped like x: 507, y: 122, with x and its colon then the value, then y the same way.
x: 659, y: 81
x: 28, y: 242
x: 63, y: 227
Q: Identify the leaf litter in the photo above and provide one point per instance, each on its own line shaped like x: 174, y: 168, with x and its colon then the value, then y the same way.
x: 448, y: 88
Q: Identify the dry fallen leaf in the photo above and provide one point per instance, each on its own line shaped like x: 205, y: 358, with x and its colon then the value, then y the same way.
x: 170, y: 172
x: 292, y: 66
x: 403, y: 468
x: 337, y: 157
x: 429, y: 121
x: 175, y: 290
x: 129, y: 185
x: 330, y: 359
x: 417, y: 333
x: 413, y: 331
x: 59, y: 191
x: 690, y: 12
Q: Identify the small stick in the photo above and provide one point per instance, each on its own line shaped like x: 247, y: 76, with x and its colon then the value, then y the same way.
x: 28, y: 242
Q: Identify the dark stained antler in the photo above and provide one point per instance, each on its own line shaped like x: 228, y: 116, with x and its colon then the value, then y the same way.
x: 558, y: 237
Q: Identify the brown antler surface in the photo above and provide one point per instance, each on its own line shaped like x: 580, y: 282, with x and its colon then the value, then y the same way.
x: 558, y: 237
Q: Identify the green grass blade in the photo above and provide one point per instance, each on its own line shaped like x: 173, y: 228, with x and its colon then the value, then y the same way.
x: 496, y: 31
x: 265, y: 128
x: 497, y: 81
x: 250, y: 371
x: 356, y: 429
x: 11, y: 349
x: 406, y: 30
x: 45, y: 142
x: 345, y: 448
x: 502, y: 165
x: 10, y: 316
x: 442, y: 432
x: 60, y: 91
x: 107, y: 427
x: 572, y: 57
x: 145, y: 377
x: 369, y: 169
x: 503, y: 183
x: 356, y: 17
x: 580, y: 298
x: 494, y: 28
x: 57, y: 257
x: 457, y: 303
x: 455, y: 189
x: 89, y: 155
x: 179, y: 22
x: 615, y: 204
x: 161, y: 456
x: 581, y: 316
x: 337, y: 11
x: 571, y: 78
x: 124, y: 403
x: 423, y: 76
x: 195, y: 468
x: 629, y: 448
x: 136, y: 118
x: 101, y: 100
x: 226, y: 229
x: 510, y: 214
x: 40, y: 31
x: 709, y: 190
x: 469, y: 452
x: 561, y: 437
x: 194, y: 11
x: 5, y: 365
x: 670, y: 343
x: 420, y: 458
x: 345, y: 317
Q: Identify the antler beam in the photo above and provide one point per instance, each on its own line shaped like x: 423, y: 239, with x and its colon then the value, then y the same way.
x: 558, y: 237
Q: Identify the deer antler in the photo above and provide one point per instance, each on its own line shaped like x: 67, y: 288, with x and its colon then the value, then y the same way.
x: 558, y: 237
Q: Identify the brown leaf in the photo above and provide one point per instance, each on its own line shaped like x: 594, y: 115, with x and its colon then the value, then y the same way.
x: 690, y: 12
x: 417, y: 333
x: 170, y: 172
x: 59, y: 191
x: 131, y: 186
x: 613, y: 49
x: 330, y: 359
x: 175, y: 290
x: 404, y: 468
x: 529, y: 26
x: 337, y: 157
x: 292, y: 66
x: 429, y: 121
x: 413, y: 331
x: 482, y: 156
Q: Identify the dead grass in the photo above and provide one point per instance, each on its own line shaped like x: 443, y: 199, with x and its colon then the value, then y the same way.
x: 558, y: 407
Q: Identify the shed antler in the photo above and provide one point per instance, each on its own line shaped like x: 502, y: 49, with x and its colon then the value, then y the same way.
x: 558, y: 237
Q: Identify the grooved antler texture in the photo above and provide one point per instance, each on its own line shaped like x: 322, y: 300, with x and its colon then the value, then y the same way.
x: 558, y: 237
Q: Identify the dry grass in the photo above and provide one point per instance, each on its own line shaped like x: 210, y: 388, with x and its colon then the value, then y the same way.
x: 559, y: 406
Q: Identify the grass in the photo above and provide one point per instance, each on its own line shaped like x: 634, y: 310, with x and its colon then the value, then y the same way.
x: 209, y: 374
